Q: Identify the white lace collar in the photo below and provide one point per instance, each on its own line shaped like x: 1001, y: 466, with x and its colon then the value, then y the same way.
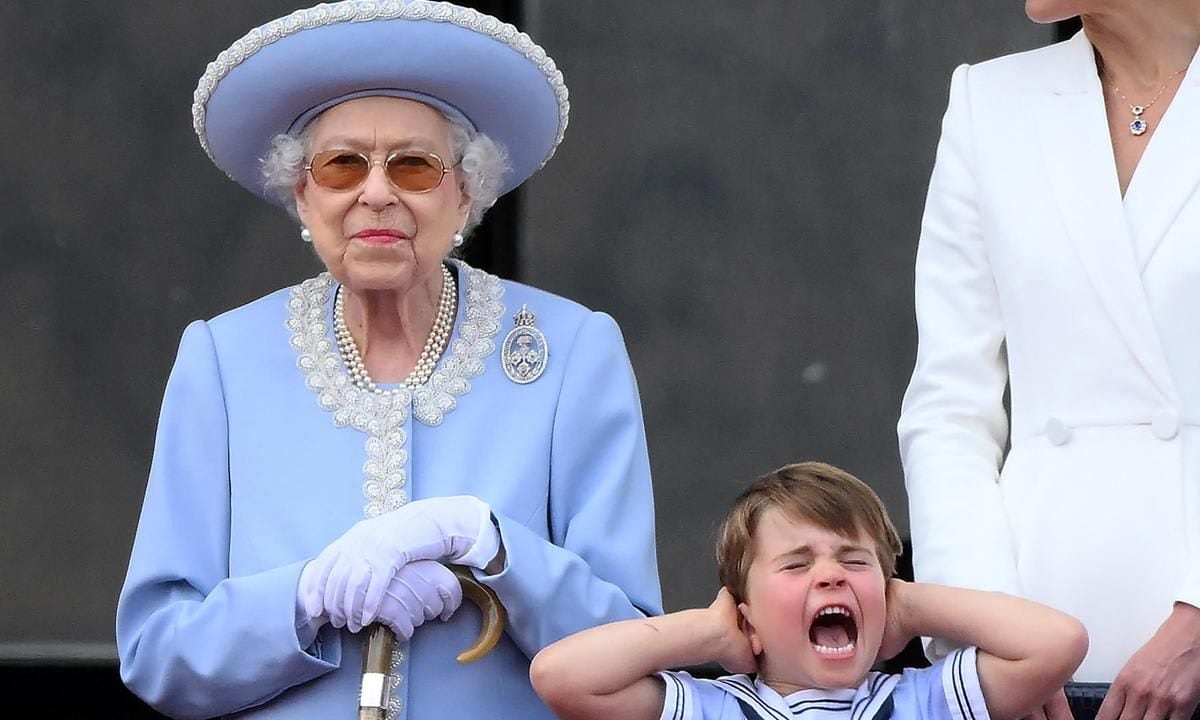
x: 382, y: 417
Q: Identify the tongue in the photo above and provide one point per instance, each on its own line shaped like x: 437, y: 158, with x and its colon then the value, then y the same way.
x: 833, y: 636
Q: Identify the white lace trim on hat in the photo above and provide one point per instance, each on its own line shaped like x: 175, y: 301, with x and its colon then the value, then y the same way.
x: 362, y: 11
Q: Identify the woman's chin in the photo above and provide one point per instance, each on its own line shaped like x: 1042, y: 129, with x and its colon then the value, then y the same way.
x: 1045, y: 12
x: 378, y: 274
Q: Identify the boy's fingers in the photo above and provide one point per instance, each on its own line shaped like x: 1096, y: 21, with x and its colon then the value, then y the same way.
x: 1057, y: 708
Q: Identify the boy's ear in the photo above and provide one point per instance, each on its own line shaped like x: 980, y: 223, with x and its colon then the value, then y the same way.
x: 747, y: 626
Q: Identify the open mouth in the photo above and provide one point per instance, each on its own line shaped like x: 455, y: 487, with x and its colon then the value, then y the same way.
x: 833, y: 631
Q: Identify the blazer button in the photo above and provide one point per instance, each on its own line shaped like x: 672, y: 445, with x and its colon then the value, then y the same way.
x: 1165, y: 425
x: 1057, y: 432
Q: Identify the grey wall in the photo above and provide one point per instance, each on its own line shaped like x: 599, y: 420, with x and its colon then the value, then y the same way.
x: 117, y: 231
x: 740, y: 187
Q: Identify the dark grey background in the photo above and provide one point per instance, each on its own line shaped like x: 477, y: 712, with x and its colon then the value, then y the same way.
x: 740, y: 186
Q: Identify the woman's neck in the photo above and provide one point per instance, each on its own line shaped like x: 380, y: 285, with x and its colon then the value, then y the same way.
x: 390, y: 327
x: 1141, y: 45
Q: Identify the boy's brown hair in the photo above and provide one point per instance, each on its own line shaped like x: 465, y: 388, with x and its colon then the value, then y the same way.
x: 818, y: 493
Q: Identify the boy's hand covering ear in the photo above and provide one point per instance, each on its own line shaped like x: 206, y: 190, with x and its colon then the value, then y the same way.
x: 734, y: 651
x: 895, y: 636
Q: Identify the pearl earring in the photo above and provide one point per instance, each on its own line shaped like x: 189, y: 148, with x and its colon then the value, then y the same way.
x: 458, y: 239
x: 305, y: 235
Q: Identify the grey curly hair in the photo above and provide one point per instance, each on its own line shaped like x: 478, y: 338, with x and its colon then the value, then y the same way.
x: 481, y: 164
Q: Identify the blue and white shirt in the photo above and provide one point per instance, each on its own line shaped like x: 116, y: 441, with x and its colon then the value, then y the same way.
x: 948, y: 690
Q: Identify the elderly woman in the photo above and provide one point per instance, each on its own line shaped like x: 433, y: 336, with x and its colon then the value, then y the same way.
x: 324, y: 451
x: 1059, y: 256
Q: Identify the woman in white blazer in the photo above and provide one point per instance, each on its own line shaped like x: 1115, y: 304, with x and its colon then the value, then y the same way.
x: 1048, y: 265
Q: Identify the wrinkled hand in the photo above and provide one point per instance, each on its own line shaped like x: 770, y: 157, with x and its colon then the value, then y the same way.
x: 420, y: 591
x: 734, y: 651
x: 348, y: 580
x: 895, y: 636
x: 1055, y: 708
x: 1162, y: 679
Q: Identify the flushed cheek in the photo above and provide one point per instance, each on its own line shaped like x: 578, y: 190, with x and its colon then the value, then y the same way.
x: 786, y: 610
x: 872, y: 628
x: 780, y: 590
x: 870, y: 631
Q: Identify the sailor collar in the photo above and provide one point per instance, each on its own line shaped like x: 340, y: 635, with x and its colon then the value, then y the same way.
x: 870, y: 701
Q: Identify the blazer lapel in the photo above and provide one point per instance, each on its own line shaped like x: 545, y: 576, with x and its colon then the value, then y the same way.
x: 1080, y: 167
x: 1169, y: 172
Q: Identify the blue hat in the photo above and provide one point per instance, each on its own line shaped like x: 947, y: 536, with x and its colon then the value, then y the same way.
x: 471, y: 66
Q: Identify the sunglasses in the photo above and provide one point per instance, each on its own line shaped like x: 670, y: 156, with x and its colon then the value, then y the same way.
x: 408, y: 170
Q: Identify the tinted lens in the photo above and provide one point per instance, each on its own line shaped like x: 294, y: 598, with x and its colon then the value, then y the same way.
x: 415, y: 171
x: 339, y: 169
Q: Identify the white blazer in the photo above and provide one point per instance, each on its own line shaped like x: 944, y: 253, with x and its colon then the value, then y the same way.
x: 1032, y: 270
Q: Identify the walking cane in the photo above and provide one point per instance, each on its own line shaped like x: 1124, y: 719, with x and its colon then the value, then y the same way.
x: 375, y: 690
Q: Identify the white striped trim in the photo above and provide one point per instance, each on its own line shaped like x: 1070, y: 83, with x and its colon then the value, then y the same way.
x: 960, y: 682
x: 741, y: 687
x: 880, y: 688
x: 676, y: 705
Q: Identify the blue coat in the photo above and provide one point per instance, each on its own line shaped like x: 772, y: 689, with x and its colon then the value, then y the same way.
x: 265, y: 454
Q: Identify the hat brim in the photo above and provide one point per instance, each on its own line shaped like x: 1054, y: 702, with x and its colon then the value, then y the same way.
x: 463, y: 62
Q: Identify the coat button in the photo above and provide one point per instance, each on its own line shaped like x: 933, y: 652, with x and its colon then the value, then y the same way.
x: 1165, y: 425
x: 1057, y: 432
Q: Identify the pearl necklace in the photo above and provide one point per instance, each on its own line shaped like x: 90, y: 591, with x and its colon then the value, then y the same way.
x: 435, y: 344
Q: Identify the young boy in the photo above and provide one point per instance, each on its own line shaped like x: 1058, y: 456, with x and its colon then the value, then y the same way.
x: 805, y: 557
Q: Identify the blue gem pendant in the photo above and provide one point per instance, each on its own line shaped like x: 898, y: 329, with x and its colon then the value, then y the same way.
x: 1138, y: 126
x: 524, y: 352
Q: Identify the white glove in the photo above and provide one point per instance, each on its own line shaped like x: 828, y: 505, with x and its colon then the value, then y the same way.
x: 347, y: 581
x: 420, y: 591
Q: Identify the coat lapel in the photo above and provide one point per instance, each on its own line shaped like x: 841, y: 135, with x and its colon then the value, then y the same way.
x: 1169, y: 172
x: 1077, y: 150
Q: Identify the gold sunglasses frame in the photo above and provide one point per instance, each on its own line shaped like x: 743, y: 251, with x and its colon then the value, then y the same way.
x: 371, y: 164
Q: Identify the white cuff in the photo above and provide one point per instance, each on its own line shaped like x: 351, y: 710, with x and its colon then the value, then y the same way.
x: 487, y: 540
x: 306, y: 627
x: 960, y: 682
x: 679, y: 702
x: 1189, y: 589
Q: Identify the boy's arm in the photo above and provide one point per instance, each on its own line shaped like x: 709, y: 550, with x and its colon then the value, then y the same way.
x: 609, y: 671
x: 1026, y: 650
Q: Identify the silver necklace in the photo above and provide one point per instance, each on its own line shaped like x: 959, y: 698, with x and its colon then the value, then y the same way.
x: 1139, y: 125
x: 435, y: 343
